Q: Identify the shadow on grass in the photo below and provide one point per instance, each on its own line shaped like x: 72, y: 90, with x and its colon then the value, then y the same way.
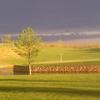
x: 94, y: 50
x: 38, y: 80
x: 64, y: 91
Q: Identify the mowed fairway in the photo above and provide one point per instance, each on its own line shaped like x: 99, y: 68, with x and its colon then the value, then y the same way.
x: 50, y: 87
x: 51, y: 54
x: 68, y: 54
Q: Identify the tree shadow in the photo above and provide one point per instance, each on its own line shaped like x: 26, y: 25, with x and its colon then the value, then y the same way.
x: 39, y: 80
x: 64, y: 91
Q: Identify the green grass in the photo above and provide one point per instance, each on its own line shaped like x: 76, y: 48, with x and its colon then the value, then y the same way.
x: 53, y: 54
x: 69, y: 55
x: 50, y: 54
x: 50, y: 87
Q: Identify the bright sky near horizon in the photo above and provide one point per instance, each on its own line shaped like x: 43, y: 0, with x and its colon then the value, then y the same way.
x: 48, y: 15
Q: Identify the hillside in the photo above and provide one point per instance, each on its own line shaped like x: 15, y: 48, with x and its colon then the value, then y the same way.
x: 51, y: 54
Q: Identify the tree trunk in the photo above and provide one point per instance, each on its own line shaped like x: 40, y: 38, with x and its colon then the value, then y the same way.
x: 30, y: 70
x: 29, y: 65
x: 29, y: 62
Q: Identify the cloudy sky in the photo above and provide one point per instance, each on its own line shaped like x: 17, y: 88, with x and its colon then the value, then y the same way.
x: 49, y: 15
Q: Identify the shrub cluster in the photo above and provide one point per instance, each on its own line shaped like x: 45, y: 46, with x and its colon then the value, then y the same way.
x: 65, y: 68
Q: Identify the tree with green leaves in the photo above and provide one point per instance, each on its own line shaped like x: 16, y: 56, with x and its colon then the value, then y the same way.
x: 27, y: 45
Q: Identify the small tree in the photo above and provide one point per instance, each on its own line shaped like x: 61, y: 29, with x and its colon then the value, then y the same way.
x: 27, y: 45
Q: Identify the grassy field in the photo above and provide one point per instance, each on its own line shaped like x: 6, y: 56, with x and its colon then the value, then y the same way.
x: 68, y: 54
x: 52, y: 54
x: 50, y: 87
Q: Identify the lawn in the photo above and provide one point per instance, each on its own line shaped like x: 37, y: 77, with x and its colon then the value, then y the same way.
x: 50, y: 54
x: 50, y: 87
x: 68, y: 54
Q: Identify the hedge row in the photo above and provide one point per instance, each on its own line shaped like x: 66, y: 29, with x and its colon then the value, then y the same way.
x: 50, y: 68
x: 66, y: 69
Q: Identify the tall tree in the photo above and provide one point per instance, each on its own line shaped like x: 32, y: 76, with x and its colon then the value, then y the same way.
x: 27, y: 45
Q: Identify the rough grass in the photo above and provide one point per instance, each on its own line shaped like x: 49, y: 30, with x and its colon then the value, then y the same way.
x: 50, y: 87
x: 8, y: 56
